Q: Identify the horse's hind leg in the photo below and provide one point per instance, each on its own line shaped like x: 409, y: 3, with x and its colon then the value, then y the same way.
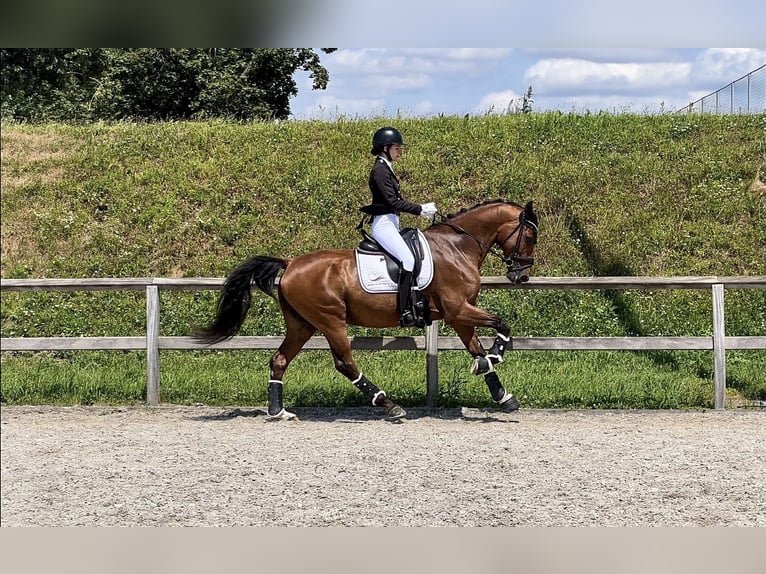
x: 344, y: 363
x: 298, y: 332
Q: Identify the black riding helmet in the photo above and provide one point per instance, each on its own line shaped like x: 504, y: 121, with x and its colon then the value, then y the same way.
x: 383, y: 137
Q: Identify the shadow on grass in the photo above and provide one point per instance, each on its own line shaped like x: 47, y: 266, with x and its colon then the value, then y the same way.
x: 600, y: 266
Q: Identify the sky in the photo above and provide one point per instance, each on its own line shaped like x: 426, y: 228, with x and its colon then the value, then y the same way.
x: 424, y: 82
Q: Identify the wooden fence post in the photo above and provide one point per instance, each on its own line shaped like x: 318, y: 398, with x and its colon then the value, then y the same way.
x: 432, y: 364
x: 152, y: 345
x: 719, y: 347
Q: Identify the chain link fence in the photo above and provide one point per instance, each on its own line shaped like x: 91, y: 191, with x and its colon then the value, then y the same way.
x: 746, y: 95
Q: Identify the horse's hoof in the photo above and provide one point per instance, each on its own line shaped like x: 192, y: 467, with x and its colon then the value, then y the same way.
x: 509, y: 404
x: 396, y: 412
x: 481, y: 366
x: 282, y: 415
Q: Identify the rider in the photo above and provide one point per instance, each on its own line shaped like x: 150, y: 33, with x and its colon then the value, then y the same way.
x: 387, y: 204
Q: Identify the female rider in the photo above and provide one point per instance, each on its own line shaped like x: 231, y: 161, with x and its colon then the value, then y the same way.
x: 387, y: 204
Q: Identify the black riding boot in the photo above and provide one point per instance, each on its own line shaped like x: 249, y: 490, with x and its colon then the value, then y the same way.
x: 406, y: 317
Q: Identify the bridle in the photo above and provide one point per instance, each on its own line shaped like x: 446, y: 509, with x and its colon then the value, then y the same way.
x: 515, y: 264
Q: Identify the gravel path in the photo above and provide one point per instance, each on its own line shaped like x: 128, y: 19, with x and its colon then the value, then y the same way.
x: 209, y: 466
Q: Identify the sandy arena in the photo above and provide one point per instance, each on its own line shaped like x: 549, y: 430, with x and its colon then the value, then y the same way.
x: 219, y: 466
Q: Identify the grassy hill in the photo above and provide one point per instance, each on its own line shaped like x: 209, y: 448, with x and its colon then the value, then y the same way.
x: 616, y: 195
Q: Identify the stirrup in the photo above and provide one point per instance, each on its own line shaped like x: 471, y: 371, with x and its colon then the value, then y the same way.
x: 282, y: 415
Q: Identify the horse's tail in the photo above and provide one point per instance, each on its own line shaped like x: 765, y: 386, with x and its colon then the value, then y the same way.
x: 235, y: 298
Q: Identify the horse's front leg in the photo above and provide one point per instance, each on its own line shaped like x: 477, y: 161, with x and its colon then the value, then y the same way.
x: 483, y: 363
x: 465, y: 319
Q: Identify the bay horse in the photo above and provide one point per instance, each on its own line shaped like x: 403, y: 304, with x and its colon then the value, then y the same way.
x: 320, y: 292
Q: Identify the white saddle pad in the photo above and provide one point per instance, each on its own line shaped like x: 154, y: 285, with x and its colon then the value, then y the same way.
x: 374, y: 277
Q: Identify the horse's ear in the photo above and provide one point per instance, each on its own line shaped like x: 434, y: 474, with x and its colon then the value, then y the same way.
x: 529, y: 213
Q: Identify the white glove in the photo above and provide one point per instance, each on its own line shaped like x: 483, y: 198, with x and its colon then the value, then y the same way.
x: 428, y: 210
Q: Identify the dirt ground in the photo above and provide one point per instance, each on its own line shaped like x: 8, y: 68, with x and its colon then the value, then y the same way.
x: 218, y: 466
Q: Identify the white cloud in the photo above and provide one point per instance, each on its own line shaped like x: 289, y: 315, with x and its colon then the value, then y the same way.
x: 355, y: 58
x: 472, y: 54
x: 387, y: 83
x: 724, y: 65
x: 569, y: 76
x: 402, y: 77
x: 421, y: 60
x: 606, y: 54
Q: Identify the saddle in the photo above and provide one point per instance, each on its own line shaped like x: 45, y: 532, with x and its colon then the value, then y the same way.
x: 368, y: 246
x: 378, y: 271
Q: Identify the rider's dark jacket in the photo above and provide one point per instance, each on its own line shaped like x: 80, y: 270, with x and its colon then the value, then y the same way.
x: 386, y: 197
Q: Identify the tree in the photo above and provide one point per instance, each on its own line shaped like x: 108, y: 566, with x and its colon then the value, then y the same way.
x: 254, y: 83
x: 146, y: 84
x: 48, y: 84
x: 154, y: 83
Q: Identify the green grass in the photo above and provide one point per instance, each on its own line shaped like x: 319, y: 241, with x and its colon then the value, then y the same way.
x: 616, y: 195
x: 604, y: 380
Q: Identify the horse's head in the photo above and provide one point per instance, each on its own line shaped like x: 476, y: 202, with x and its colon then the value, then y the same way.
x: 517, y: 239
x: 508, y: 225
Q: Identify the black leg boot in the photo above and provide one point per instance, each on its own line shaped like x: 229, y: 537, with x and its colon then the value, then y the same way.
x: 378, y: 397
x: 276, y: 412
x: 406, y: 317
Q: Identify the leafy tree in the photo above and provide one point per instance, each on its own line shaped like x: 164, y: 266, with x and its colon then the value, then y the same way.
x: 254, y: 83
x: 146, y: 83
x: 153, y: 83
x: 48, y: 84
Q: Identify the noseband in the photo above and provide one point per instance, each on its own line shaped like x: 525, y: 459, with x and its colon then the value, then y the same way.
x: 513, y: 262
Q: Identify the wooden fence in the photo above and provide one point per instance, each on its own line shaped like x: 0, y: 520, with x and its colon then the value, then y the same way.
x: 432, y: 343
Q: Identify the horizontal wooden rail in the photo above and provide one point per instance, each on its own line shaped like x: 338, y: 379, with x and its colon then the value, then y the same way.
x: 152, y: 343
x: 319, y: 343
x: 489, y: 282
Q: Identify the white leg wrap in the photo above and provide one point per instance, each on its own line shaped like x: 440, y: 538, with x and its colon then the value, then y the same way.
x: 476, y: 363
x: 506, y: 397
x: 282, y: 415
x: 375, y: 398
x: 368, y: 388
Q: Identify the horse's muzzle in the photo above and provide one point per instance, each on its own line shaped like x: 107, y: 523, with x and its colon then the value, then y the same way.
x: 518, y: 269
x: 518, y: 277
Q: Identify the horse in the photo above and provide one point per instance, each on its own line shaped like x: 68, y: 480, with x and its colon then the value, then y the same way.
x: 320, y: 292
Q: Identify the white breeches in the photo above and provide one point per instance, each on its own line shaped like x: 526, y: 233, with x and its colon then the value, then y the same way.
x: 385, y: 230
